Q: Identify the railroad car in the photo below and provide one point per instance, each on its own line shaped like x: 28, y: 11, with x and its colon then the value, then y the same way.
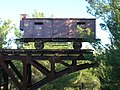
x: 40, y: 30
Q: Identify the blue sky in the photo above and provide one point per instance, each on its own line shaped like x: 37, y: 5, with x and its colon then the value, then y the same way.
x: 11, y: 9
x: 59, y: 8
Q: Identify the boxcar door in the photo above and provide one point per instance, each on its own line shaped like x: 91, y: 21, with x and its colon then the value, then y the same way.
x: 60, y: 28
x: 38, y: 28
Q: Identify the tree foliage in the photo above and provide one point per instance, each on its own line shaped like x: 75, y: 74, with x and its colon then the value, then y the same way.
x: 18, y: 34
x: 37, y: 14
x: 109, y: 12
x: 5, y: 28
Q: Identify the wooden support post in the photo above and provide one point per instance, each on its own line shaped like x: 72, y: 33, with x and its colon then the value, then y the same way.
x: 25, y: 78
x: 29, y: 75
x: 0, y: 77
x: 4, y: 74
x: 5, y: 78
x: 52, y: 73
x: 0, y: 73
x: 74, y: 62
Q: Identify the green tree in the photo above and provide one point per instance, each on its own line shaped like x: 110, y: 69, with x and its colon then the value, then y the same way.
x: 5, y: 28
x: 109, y: 12
x: 37, y: 14
x: 18, y: 34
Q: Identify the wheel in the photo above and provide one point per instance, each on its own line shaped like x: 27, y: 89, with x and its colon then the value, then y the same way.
x: 77, y: 45
x: 39, y: 45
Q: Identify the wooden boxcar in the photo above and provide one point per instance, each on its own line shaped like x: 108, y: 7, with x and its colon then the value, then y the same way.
x: 55, y: 29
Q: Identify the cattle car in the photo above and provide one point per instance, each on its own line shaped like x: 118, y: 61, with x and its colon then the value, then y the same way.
x: 41, y: 30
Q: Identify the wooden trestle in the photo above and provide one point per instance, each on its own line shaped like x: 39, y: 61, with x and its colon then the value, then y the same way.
x: 31, y: 58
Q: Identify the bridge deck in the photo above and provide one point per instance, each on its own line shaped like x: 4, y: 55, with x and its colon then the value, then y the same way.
x: 44, y: 51
x: 45, y: 54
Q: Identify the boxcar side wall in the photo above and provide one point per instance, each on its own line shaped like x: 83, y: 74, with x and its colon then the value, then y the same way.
x: 55, y: 28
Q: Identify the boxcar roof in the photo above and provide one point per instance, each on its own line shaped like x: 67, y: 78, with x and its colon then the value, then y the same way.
x: 59, y: 18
